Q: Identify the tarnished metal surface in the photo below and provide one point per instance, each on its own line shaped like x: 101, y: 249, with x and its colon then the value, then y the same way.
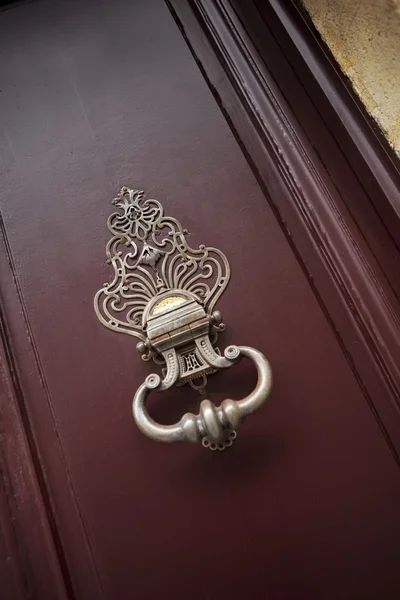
x: 215, y: 426
x: 163, y: 292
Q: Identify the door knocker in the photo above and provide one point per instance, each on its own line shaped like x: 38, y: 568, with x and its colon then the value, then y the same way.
x: 164, y: 293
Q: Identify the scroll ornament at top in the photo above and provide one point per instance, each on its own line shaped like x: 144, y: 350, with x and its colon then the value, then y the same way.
x: 150, y: 255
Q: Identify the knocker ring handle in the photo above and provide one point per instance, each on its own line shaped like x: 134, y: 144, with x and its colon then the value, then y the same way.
x: 164, y: 292
x: 215, y: 426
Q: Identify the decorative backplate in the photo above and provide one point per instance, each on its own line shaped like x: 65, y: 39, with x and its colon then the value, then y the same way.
x: 163, y: 292
x: 150, y: 255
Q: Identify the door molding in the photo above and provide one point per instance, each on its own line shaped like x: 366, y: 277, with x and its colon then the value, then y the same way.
x: 32, y: 565
x: 34, y: 522
x: 350, y: 279
x: 358, y: 135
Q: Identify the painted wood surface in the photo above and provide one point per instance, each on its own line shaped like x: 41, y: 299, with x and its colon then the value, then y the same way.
x: 305, y: 504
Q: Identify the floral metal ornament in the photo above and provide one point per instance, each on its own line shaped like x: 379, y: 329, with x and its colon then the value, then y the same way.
x: 137, y: 217
x: 150, y: 254
x: 164, y: 293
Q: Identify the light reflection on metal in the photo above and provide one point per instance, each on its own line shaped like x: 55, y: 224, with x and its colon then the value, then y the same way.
x: 164, y: 293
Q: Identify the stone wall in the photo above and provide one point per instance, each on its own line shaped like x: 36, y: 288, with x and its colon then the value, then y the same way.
x: 364, y: 37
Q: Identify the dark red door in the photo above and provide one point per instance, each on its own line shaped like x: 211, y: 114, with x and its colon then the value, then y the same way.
x: 96, y: 95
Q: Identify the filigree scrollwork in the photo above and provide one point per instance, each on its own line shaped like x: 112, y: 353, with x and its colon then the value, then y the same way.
x: 164, y: 292
x: 149, y: 254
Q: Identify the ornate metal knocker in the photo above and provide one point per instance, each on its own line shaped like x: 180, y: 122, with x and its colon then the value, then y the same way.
x: 164, y: 292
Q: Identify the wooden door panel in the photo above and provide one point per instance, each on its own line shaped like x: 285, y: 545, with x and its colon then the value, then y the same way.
x: 100, y: 95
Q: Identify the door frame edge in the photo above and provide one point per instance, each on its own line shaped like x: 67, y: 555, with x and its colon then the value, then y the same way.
x: 352, y: 290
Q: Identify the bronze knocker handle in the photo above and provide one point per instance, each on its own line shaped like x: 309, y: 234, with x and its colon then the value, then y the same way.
x: 214, y: 426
